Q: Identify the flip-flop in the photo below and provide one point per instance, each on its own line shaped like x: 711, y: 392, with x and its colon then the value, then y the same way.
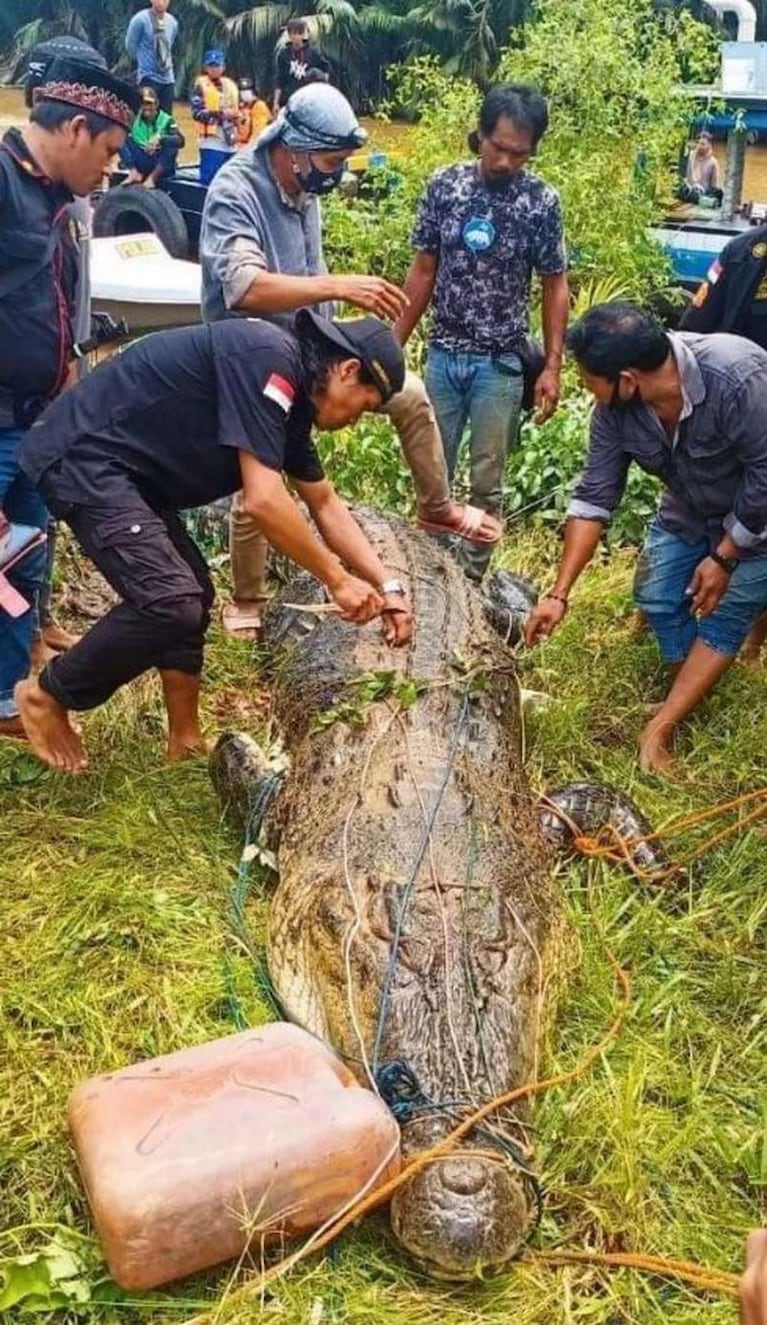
x: 16, y: 540
x: 469, y: 527
x: 245, y: 626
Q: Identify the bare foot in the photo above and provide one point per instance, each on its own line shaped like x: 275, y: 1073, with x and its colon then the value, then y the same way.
x: 186, y: 745
x: 48, y: 729
x: 59, y: 639
x: 654, y: 748
x: 134, y: 177
x: 40, y: 654
x: 242, y: 618
x: 751, y: 656
x: 149, y: 183
x: 13, y: 729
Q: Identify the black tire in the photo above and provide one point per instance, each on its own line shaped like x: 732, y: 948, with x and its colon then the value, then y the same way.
x: 129, y: 209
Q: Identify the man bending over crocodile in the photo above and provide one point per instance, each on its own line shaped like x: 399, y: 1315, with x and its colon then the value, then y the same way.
x: 261, y: 254
x: 201, y: 412
x: 693, y: 410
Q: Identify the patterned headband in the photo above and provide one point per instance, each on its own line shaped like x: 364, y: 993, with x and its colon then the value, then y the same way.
x: 95, y: 99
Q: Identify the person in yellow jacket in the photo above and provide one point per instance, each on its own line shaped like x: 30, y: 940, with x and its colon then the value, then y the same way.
x: 215, y: 103
x: 254, y: 114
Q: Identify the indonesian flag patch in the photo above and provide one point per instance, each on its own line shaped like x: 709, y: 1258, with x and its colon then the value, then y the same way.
x: 281, y: 391
x: 714, y: 272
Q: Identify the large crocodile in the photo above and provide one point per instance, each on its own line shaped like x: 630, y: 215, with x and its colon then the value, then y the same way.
x: 415, y: 923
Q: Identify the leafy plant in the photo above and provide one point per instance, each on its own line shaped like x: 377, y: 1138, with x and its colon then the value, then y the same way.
x: 617, y: 121
x: 365, y: 689
x: 544, y: 466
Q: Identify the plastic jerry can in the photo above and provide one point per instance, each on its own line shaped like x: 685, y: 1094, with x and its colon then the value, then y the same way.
x: 192, y: 1158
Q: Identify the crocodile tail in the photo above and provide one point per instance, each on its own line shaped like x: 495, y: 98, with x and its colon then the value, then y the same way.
x: 585, y: 809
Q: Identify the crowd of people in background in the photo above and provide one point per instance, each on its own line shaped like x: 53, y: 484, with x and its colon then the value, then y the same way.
x: 229, y: 113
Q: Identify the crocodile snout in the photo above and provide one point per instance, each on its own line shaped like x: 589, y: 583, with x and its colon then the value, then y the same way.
x: 463, y: 1215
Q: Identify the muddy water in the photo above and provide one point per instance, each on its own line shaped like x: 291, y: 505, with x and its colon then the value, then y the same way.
x: 383, y: 136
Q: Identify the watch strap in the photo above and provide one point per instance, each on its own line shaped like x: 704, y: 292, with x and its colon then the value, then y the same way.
x: 730, y: 564
x: 392, y: 586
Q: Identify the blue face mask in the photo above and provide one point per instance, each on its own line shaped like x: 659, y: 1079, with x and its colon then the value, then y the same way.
x: 315, y: 180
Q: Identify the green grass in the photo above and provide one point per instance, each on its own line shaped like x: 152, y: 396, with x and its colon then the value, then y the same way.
x: 117, y: 946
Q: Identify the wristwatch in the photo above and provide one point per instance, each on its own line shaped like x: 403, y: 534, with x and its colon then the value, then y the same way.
x: 392, y: 586
x: 729, y: 564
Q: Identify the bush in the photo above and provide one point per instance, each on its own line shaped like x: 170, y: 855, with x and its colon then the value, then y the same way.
x: 544, y: 466
x: 366, y: 465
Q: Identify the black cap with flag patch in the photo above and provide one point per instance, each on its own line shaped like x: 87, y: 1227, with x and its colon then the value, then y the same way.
x: 365, y: 338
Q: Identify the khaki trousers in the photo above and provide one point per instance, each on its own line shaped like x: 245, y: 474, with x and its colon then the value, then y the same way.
x: 413, y: 417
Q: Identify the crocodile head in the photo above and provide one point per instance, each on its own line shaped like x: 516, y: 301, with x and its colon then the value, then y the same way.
x: 464, y: 1216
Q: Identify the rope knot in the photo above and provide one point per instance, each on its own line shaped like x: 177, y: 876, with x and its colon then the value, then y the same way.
x: 399, y: 1089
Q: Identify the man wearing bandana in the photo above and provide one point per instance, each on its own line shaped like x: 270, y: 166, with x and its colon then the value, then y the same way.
x: 483, y: 228
x: 79, y: 121
x: 261, y: 256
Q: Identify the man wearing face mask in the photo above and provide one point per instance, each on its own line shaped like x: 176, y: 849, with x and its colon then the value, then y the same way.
x: 692, y: 410
x: 261, y: 256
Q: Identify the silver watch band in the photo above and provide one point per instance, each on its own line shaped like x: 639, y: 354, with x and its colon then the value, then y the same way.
x: 391, y: 586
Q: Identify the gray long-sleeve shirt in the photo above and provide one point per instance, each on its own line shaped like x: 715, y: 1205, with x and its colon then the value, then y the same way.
x: 714, y: 472
x: 250, y: 225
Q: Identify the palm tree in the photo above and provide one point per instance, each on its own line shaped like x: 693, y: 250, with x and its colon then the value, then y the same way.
x: 361, y: 40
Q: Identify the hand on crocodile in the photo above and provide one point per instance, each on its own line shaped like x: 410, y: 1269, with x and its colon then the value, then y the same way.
x: 543, y: 620
x: 753, y: 1285
x: 356, y: 600
x: 397, y: 620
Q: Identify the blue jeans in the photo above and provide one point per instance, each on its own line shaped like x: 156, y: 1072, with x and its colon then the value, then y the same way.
x: 485, y: 393
x: 211, y: 161
x: 22, y: 504
x: 664, y: 571
x: 133, y: 157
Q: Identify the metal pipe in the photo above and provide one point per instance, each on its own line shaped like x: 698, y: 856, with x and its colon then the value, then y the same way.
x: 746, y: 15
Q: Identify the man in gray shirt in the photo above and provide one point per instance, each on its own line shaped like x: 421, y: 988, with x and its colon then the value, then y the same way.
x: 693, y: 410
x: 261, y: 255
x: 149, y: 41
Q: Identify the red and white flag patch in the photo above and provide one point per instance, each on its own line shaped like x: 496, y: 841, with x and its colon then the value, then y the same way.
x: 714, y: 272
x: 281, y: 391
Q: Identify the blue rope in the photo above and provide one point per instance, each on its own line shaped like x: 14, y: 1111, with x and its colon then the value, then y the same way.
x: 396, y: 1081
x: 268, y: 788
x: 405, y: 893
x: 402, y: 1093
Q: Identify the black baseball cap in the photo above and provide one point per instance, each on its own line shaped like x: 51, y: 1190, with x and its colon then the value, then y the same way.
x: 365, y: 338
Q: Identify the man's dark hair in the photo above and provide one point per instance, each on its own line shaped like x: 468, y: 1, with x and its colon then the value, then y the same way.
x: 521, y: 103
x: 51, y: 115
x: 615, y: 336
x: 296, y: 25
x: 319, y: 356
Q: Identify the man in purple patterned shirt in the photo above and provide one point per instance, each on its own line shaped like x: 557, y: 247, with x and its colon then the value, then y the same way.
x: 483, y: 228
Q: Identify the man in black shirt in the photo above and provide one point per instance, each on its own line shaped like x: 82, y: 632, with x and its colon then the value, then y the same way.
x: 180, y: 419
x: 298, y: 63
x: 78, y: 122
x: 733, y: 296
